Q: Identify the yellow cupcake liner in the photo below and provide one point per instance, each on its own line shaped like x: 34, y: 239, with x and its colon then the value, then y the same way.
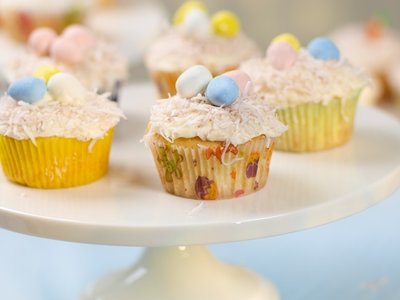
x: 315, y: 126
x: 54, y: 162
x: 196, y: 169
x: 165, y: 81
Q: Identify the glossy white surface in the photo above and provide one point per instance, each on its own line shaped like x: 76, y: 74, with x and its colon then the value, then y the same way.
x: 181, y: 273
x: 129, y: 207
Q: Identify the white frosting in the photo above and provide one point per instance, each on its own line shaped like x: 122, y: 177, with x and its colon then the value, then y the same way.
x: 52, y: 118
x: 308, y: 80
x: 102, y: 67
x: 41, y: 6
x: 376, y: 55
x: 245, y: 119
x: 176, y: 51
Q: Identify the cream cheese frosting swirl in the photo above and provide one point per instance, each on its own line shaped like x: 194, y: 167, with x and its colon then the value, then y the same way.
x: 88, y: 120
x: 176, y: 50
x: 308, y: 80
x: 238, y: 123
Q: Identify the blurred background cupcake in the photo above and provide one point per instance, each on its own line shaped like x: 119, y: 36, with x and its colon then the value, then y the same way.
x: 197, y: 37
x: 20, y: 17
x: 77, y: 50
x: 373, y: 45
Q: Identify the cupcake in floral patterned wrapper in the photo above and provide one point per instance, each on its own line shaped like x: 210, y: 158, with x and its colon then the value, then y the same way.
x: 314, y: 90
x: 216, y: 42
x: 55, y: 135
x: 95, y: 62
x: 214, y: 139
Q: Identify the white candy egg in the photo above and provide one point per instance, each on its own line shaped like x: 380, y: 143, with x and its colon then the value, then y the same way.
x: 66, y: 88
x: 197, y: 23
x: 193, y: 81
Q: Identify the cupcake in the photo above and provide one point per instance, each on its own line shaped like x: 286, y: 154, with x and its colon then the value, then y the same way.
x: 214, y: 139
x: 96, y: 63
x: 314, y: 90
x: 373, y: 45
x: 56, y: 135
x: 219, y: 44
x: 20, y: 17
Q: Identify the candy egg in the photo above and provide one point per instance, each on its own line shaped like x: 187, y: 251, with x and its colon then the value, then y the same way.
x: 281, y: 55
x: 27, y: 89
x: 193, y: 81
x: 80, y: 35
x: 45, y: 72
x: 242, y: 80
x: 288, y: 38
x: 186, y: 7
x: 66, y: 88
x: 41, y: 39
x: 65, y: 51
x: 222, y: 90
x: 197, y: 23
x: 225, y: 23
x: 324, y: 49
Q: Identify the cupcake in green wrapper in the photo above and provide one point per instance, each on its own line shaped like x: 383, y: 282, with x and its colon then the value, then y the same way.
x: 314, y: 90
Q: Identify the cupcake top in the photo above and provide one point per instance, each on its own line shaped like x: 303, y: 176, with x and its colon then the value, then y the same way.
x: 372, y: 44
x: 194, y: 39
x: 223, y: 108
x: 61, y: 108
x: 291, y: 75
x: 96, y: 63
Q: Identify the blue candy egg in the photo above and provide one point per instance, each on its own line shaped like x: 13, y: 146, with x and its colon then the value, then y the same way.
x: 222, y: 90
x: 324, y: 49
x: 27, y: 89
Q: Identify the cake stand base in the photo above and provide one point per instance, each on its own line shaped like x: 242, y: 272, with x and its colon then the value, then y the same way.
x: 181, y: 273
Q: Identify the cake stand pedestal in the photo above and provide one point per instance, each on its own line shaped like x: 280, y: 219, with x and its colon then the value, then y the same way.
x: 129, y: 207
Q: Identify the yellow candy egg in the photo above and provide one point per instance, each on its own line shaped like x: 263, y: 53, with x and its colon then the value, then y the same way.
x: 186, y: 7
x: 45, y: 72
x: 288, y: 38
x: 225, y: 23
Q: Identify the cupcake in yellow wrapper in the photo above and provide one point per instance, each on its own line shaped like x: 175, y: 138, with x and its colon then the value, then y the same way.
x: 207, y: 147
x: 314, y: 90
x: 56, y: 135
x: 196, y: 37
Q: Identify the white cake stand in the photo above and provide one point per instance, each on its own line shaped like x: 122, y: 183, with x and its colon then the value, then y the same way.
x: 129, y: 207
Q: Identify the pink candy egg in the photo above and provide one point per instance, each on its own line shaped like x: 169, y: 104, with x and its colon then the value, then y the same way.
x: 242, y: 80
x: 65, y: 51
x: 82, y: 36
x: 41, y: 39
x: 281, y: 55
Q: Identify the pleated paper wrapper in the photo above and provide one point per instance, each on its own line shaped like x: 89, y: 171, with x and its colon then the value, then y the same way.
x: 315, y: 126
x: 197, y: 169
x: 55, y: 162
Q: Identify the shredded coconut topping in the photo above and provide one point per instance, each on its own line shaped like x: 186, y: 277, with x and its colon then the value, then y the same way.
x: 236, y: 124
x: 90, y: 120
x: 308, y: 80
x: 175, y: 50
x: 100, y: 70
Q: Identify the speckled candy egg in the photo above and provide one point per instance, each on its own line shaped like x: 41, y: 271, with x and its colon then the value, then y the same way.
x: 222, y: 91
x: 65, y: 51
x: 281, y: 55
x: 225, y: 23
x: 197, y: 24
x: 242, y: 80
x: 324, y: 49
x: 193, y: 81
x: 27, y: 89
x: 80, y: 35
x: 66, y: 88
x: 41, y: 39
